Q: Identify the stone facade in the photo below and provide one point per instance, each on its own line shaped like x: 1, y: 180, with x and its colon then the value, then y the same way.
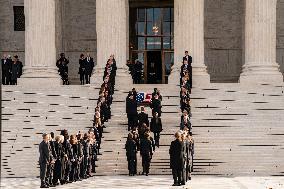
x: 76, y: 34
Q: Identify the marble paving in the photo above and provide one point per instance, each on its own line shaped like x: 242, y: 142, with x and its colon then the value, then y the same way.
x: 155, y: 182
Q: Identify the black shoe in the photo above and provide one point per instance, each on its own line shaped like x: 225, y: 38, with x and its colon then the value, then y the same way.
x: 175, y: 184
x: 189, y: 178
x: 44, y: 186
x: 146, y: 174
x: 182, y: 183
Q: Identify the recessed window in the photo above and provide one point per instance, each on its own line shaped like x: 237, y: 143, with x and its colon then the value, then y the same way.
x: 19, y: 18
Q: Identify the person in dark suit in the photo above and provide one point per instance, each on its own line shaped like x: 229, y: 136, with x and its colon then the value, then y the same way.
x: 156, y: 105
x: 82, y: 69
x: 190, y: 153
x: 68, y: 156
x: 44, y: 159
x: 138, y: 67
x: 188, y: 59
x: 89, y: 63
x: 20, y: 64
x: 131, y: 110
x: 156, y: 91
x: 50, y: 169
x: 6, y: 70
x: 131, y: 151
x: 146, y: 151
x: 156, y: 127
x: 176, y: 158
x: 143, y: 117
x: 14, y: 71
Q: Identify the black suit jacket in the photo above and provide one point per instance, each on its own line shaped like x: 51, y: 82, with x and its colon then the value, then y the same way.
x: 176, y: 155
x: 143, y: 118
x: 44, y: 153
x: 156, y: 125
x: 89, y: 65
x: 188, y: 58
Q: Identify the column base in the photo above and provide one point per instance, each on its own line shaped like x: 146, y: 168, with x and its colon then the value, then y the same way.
x: 262, y: 74
x: 39, y: 82
x: 40, y: 77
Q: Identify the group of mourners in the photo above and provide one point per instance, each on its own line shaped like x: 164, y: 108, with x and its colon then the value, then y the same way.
x: 136, y: 70
x: 12, y: 69
x: 182, y: 148
x: 139, y: 138
x: 64, y: 159
x: 86, y: 66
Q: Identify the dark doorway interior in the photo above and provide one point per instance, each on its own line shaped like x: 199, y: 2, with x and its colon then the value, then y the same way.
x: 154, y: 67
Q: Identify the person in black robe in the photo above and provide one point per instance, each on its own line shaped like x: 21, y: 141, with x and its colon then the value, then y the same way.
x: 57, y: 175
x: 89, y: 63
x: 156, y: 127
x: 6, y: 64
x: 189, y: 61
x: 131, y: 110
x: 131, y: 151
x: 146, y: 151
x: 67, y: 157
x: 176, y: 159
x: 62, y: 64
x: 143, y: 117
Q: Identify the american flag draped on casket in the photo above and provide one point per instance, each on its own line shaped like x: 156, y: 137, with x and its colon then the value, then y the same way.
x: 144, y: 98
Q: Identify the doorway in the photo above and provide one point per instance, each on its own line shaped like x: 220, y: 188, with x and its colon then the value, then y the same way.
x: 151, y: 41
x: 154, y: 67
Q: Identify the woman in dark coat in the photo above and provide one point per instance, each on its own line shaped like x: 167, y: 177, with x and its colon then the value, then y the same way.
x: 82, y: 69
x: 131, y: 151
x: 14, y: 72
x: 156, y: 128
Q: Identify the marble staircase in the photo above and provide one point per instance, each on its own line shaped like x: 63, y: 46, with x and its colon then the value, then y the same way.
x: 238, y: 130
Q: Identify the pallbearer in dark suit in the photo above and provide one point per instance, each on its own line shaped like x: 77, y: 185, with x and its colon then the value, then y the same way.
x: 143, y: 117
x: 176, y: 159
x: 146, y: 151
x: 156, y: 105
x: 44, y: 159
x: 89, y: 63
x: 131, y: 110
x: 131, y: 151
x: 156, y: 128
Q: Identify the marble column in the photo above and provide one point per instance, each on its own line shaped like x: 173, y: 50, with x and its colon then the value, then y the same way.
x: 189, y: 35
x: 112, y: 38
x: 40, y: 48
x: 260, y: 43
